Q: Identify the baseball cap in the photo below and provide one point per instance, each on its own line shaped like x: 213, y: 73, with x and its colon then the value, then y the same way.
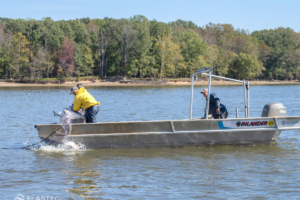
x: 73, y: 88
x: 204, y: 90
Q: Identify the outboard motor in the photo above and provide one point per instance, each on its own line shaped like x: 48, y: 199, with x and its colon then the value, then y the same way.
x: 274, y: 110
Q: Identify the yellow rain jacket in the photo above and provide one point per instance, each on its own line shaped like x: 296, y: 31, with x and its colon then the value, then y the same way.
x: 83, y: 99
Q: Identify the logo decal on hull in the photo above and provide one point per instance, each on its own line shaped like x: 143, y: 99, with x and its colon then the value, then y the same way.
x: 246, y: 124
x: 271, y: 123
x: 295, y: 122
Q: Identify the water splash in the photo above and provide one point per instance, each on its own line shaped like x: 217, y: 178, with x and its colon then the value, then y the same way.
x: 64, y: 147
x: 65, y: 121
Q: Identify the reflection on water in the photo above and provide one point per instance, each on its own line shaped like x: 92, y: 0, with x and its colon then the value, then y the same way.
x: 86, y: 178
x: 218, y: 172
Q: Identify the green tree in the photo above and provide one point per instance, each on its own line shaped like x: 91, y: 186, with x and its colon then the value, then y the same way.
x: 53, y: 35
x: 283, y: 42
x: 78, y: 62
x: 211, y: 55
x: 159, y: 28
x: 102, y: 38
x: 5, y: 52
x: 142, y: 57
x: 21, y: 55
x: 80, y: 32
x: 83, y: 59
x: 87, y: 59
x: 127, y: 39
x: 247, y: 66
x: 66, y: 27
x: 224, y: 61
x: 192, y: 47
x: 38, y: 64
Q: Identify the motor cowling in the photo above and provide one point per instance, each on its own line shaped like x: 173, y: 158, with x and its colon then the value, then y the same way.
x: 274, y: 110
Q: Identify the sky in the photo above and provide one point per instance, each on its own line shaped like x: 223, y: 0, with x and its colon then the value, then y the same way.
x: 251, y: 15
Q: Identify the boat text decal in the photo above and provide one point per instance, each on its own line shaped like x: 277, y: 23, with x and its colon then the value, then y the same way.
x: 246, y: 124
x: 288, y: 123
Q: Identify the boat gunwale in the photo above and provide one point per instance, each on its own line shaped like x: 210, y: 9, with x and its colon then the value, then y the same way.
x: 176, y: 132
x: 177, y: 120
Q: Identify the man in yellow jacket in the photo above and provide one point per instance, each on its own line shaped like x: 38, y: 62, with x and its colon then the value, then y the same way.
x: 87, y: 102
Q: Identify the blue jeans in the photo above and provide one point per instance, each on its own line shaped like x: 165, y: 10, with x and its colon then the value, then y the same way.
x: 91, y: 113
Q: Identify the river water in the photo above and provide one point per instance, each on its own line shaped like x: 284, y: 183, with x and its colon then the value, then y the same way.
x: 217, y: 172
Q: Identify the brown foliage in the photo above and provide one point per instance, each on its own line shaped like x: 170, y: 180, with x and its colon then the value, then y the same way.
x: 65, y: 64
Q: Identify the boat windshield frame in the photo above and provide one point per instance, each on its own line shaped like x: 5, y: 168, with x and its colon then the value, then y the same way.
x: 208, y: 72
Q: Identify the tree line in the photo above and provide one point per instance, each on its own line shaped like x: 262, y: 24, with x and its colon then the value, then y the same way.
x: 138, y: 47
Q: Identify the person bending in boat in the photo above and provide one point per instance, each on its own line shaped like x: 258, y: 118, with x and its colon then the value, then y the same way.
x: 87, y: 102
x: 216, y: 109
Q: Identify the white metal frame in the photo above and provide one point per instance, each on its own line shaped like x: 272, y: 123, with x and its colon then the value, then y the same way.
x: 203, y: 71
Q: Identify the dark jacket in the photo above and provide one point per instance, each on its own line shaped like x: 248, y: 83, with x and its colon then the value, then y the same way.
x: 214, y: 103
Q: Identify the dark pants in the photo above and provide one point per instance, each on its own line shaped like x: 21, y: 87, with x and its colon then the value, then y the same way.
x: 223, y: 115
x: 91, y: 113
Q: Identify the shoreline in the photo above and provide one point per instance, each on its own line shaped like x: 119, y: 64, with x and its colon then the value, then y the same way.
x: 129, y: 84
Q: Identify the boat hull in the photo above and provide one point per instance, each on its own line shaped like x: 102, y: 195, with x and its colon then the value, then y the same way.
x: 176, y: 133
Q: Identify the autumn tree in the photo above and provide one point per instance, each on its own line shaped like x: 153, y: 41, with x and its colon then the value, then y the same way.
x: 21, y: 55
x: 209, y: 33
x: 65, y: 61
x: 168, y: 53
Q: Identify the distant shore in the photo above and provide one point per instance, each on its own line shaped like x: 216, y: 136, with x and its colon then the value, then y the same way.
x: 145, y: 83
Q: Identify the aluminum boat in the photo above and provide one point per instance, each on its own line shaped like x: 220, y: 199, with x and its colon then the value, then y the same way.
x: 179, y: 133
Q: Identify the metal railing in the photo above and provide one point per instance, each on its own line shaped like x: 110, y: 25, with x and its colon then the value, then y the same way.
x: 203, y: 71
